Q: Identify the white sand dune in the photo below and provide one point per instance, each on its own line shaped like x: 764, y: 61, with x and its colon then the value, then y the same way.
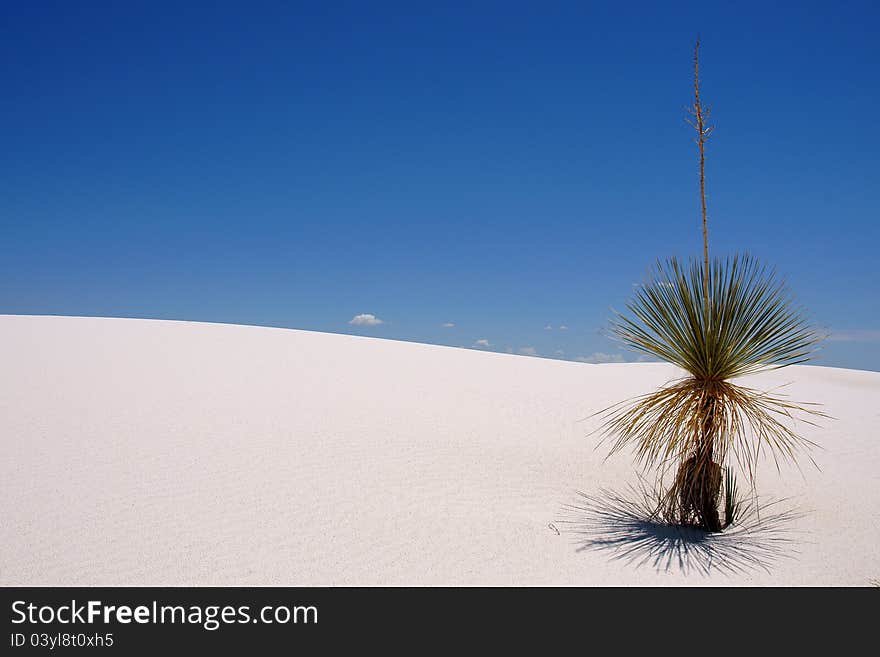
x: 138, y: 452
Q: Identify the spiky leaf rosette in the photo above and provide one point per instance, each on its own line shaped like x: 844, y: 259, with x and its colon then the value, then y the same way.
x: 748, y: 325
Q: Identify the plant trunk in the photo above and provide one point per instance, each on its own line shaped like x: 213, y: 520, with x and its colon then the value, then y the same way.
x: 701, y: 493
x: 696, y: 493
x: 703, y: 490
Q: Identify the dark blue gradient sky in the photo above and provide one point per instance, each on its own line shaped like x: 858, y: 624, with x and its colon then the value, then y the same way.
x: 500, y: 166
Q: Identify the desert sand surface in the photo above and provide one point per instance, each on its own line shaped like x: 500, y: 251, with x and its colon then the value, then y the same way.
x: 143, y: 452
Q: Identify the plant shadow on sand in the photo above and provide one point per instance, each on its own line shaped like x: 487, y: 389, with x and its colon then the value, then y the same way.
x: 625, y: 526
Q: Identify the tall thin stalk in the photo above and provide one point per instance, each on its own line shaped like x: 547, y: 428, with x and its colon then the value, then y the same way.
x: 702, y: 133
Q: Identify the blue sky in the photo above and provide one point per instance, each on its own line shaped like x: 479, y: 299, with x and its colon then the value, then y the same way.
x: 503, y: 167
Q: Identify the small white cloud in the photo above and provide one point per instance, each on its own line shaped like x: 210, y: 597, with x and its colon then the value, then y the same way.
x: 482, y: 343
x: 855, y: 335
x: 448, y: 325
x: 563, y: 327
x: 528, y: 351
x: 548, y: 327
x: 600, y: 357
x: 559, y: 352
x: 365, y: 319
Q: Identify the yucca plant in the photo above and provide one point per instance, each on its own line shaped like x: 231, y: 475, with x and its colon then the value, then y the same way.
x: 717, y: 321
